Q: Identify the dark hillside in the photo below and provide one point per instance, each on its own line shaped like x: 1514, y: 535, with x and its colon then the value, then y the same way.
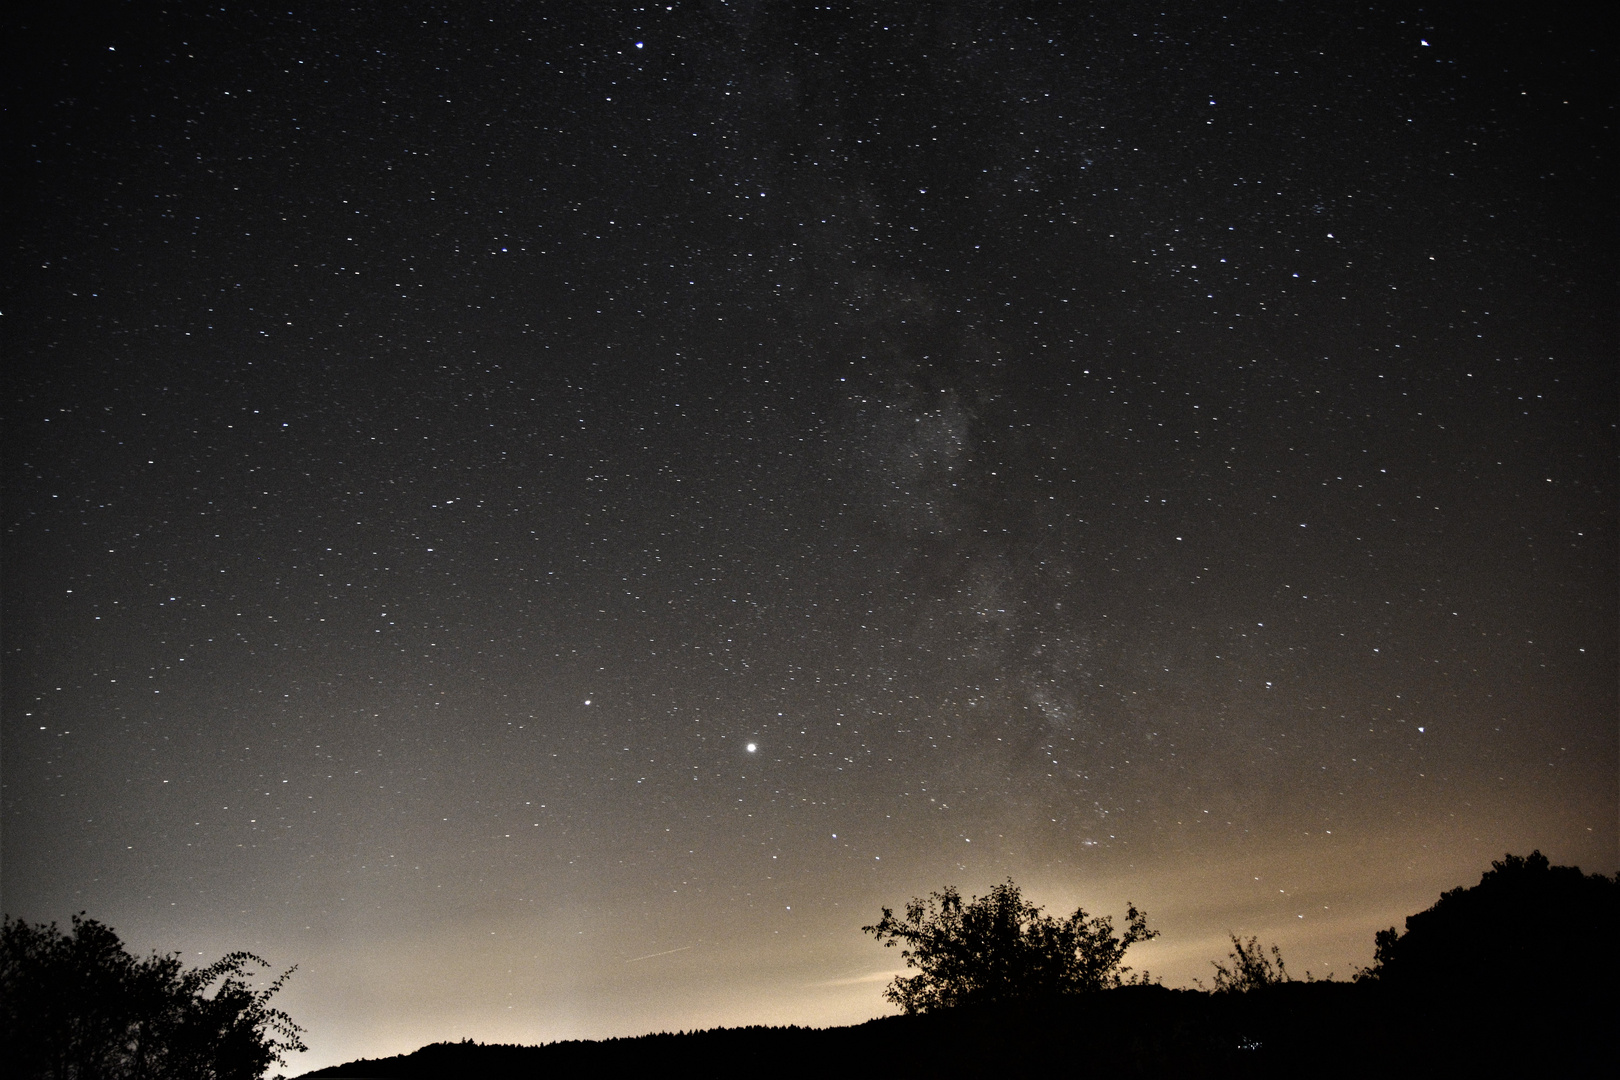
x: 1317, y: 1029
x: 1133, y: 1030
x: 1514, y: 976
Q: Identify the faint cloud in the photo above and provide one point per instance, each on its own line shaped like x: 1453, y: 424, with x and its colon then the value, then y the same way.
x: 860, y: 980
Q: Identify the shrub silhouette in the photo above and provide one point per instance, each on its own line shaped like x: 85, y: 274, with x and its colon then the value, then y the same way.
x: 1250, y: 968
x: 1000, y: 948
x: 80, y: 1006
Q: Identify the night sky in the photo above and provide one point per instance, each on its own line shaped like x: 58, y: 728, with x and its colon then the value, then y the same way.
x: 547, y: 516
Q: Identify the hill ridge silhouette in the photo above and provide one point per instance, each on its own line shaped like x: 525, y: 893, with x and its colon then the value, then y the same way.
x: 1451, y: 994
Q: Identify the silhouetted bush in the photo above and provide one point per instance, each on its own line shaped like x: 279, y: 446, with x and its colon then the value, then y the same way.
x: 1250, y: 968
x: 77, y: 1007
x: 1002, y: 948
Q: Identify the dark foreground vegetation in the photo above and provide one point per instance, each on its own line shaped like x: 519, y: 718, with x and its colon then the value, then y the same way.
x: 1322, y: 1029
x: 78, y: 1006
x: 1515, y: 976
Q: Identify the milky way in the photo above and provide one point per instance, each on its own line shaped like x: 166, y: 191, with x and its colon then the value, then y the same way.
x: 548, y: 516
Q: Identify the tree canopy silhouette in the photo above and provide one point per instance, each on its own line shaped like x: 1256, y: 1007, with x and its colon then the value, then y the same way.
x: 1251, y: 968
x: 1471, y: 937
x: 78, y: 1005
x: 1000, y: 947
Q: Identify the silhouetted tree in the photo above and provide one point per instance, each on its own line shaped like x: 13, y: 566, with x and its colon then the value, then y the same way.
x: 1250, y: 968
x: 1471, y: 938
x: 1512, y: 977
x: 75, y: 1007
x: 1001, y: 948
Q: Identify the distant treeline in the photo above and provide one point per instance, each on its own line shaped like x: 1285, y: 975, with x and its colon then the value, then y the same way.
x: 1320, y: 1029
x: 1515, y: 976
